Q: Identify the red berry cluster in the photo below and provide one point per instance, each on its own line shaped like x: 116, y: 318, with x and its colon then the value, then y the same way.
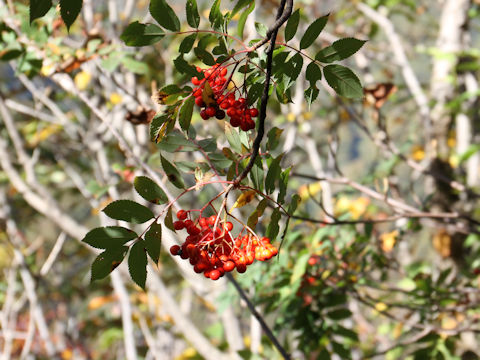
x: 213, y: 251
x: 238, y: 111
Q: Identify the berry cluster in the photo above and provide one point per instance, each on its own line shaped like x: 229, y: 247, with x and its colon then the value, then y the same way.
x: 215, y: 103
x: 213, y: 251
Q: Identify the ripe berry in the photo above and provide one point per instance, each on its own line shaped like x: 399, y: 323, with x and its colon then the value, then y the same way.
x: 204, y: 115
x: 199, y: 101
x: 195, y: 81
x: 175, y: 250
x: 211, y: 220
x: 210, y: 111
x: 220, y: 114
x: 228, y: 226
x: 214, y: 274
x: 253, y: 112
x: 178, y: 225
x: 182, y: 215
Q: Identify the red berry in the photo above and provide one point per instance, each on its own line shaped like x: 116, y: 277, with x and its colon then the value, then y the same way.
x: 204, y: 115
x: 235, y: 121
x: 175, y: 250
x: 195, y: 81
x: 220, y: 114
x: 253, y: 112
x: 228, y: 226
x: 178, y: 225
x: 197, y: 93
x: 199, y: 101
x: 223, y: 72
x: 214, y: 274
x: 210, y: 111
x: 241, y: 268
x: 211, y: 220
x: 182, y: 215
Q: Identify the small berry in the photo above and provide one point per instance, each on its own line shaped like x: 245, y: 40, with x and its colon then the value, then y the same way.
x: 253, y: 112
x: 228, y: 226
x: 182, y: 215
x: 210, y: 111
x: 175, y: 250
x: 220, y: 114
x: 178, y: 225
x: 199, y: 101
x: 214, y: 274
x: 204, y: 115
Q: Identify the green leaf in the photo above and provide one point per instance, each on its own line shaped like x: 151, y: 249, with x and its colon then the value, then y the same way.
x: 233, y: 138
x: 295, y: 65
x: 273, y: 227
x: 292, y: 25
x: 312, y: 32
x: 311, y: 95
x: 215, y: 16
x: 137, y: 263
x: 254, y: 93
x: 107, y: 261
x: 293, y: 204
x: 137, y: 34
x: 257, y: 174
x: 187, y: 43
x: 253, y: 218
x: 153, y: 240
x: 109, y: 237
x: 185, y: 68
x: 339, y: 50
x: 193, y: 18
x: 135, y: 66
x: 128, y: 210
x: 261, y: 29
x: 172, y: 173
x: 149, y: 190
x: 239, y: 6
x: 283, y: 183
x: 69, y: 10
x: 39, y: 8
x: 273, y: 174
x: 169, y: 220
x: 273, y: 138
x: 339, y: 314
x: 186, y: 111
x: 204, y: 56
x: 164, y: 15
x: 156, y: 126
x: 243, y: 19
x: 313, y: 74
x: 343, y: 81
x: 341, y: 350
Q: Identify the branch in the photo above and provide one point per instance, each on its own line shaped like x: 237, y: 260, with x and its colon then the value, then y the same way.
x: 282, y: 15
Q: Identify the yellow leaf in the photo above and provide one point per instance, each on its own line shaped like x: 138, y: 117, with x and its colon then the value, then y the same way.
x: 442, y: 243
x: 418, y: 153
x: 359, y: 206
x: 244, y: 199
x: 388, y: 240
x: 82, y: 79
x: 115, y: 98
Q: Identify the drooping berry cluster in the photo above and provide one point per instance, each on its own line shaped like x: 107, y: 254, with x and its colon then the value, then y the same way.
x: 213, y: 251
x: 215, y: 103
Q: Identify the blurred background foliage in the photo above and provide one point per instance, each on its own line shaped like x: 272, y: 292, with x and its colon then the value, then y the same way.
x: 376, y: 284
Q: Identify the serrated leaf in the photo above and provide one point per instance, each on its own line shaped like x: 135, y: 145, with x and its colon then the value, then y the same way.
x: 311, y: 95
x: 164, y: 15
x: 273, y: 227
x: 273, y: 174
x: 138, y: 34
x: 187, y: 43
x: 128, y: 210
x: 339, y: 50
x: 156, y: 127
x: 204, y: 56
x: 149, y: 190
x: 292, y: 25
x: 215, y: 15
x: 137, y: 263
x: 172, y: 173
x: 169, y: 220
x: 312, y: 32
x: 109, y: 237
x: 193, y: 18
x: 39, y: 8
x: 257, y: 174
x: 153, y: 240
x: 295, y: 65
x: 69, y: 10
x: 313, y: 74
x: 186, y: 111
x: 107, y: 261
x: 243, y: 19
x: 185, y: 68
x: 343, y: 81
